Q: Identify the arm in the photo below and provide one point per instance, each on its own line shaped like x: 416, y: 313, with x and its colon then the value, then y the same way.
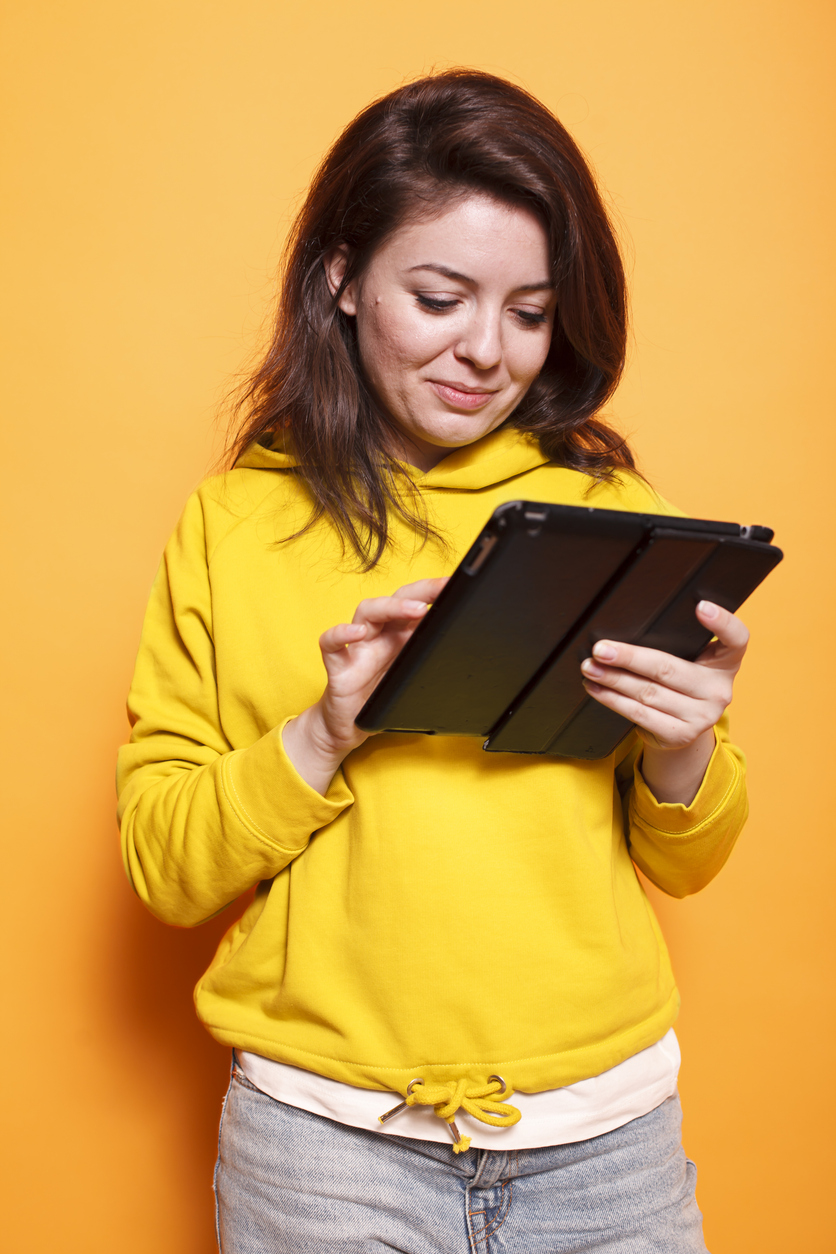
x: 202, y: 821
x: 687, y: 804
x: 681, y: 848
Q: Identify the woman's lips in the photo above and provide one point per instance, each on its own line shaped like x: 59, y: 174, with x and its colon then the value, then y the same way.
x: 462, y: 400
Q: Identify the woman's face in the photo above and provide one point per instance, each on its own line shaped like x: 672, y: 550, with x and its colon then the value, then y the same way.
x: 454, y: 321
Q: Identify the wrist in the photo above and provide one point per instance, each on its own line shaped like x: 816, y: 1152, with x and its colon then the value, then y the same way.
x: 315, y: 754
x: 330, y: 745
x: 674, y: 776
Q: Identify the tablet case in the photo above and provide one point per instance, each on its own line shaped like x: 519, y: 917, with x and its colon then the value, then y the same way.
x: 498, y: 655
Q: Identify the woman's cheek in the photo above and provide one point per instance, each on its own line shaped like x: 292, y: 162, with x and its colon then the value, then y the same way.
x: 410, y: 344
x: 529, y: 358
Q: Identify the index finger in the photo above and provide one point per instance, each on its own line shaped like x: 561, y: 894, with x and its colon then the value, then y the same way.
x: 422, y: 590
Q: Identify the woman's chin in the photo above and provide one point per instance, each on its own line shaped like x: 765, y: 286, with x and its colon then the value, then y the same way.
x: 451, y: 431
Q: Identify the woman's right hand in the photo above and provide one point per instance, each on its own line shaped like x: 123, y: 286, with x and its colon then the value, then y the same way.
x: 356, y: 657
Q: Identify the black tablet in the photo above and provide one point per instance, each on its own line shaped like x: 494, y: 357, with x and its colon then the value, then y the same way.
x: 498, y: 655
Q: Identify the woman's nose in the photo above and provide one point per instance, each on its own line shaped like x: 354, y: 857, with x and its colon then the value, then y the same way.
x: 481, y: 343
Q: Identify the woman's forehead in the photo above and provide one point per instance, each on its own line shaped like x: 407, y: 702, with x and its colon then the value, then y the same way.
x: 469, y: 232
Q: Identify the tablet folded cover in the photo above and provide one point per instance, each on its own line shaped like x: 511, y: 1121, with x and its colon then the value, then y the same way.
x: 499, y: 653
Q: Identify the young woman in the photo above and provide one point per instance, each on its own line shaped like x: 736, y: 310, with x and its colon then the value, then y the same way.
x: 457, y: 933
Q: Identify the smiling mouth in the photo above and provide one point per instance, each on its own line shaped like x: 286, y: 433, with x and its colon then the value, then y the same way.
x: 461, y: 398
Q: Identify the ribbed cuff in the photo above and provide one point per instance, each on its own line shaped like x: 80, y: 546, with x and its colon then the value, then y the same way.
x: 271, y: 799
x: 722, y: 776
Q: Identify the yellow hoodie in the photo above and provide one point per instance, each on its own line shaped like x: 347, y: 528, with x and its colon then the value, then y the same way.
x: 442, y: 912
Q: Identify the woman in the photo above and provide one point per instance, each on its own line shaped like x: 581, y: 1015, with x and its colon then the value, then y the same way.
x: 434, y: 929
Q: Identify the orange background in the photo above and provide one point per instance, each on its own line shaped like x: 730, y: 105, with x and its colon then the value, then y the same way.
x: 154, y: 153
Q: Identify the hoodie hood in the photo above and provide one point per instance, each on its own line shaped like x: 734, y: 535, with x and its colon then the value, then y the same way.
x: 501, y: 455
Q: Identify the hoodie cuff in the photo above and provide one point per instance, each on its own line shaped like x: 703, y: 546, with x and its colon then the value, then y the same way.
x: 270, y: 798
x: 723, y: 776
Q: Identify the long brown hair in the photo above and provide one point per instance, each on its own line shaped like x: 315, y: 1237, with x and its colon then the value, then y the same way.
x: 403, y: 157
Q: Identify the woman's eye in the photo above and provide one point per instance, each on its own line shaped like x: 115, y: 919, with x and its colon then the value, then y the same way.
x: 438, y: 304
x: 432, y: 302
x: 529, y: 318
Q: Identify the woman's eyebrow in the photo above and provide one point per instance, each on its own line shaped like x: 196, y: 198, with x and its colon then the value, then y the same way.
x: 544, y: 286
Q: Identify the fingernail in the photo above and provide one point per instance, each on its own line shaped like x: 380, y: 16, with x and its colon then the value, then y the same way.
x: 589, y: 668
x: 707, y: 608
x: 418, y: 605
x: 604, y: 651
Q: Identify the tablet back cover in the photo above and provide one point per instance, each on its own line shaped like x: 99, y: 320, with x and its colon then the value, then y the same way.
x: 651, y: 606
x: 499, y: 653
x: 515, y: 595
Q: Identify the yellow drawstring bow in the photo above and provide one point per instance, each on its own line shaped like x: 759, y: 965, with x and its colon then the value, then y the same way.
x: 483, y: 1101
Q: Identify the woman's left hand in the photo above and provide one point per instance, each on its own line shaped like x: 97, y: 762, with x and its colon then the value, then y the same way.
x: 675, y: 704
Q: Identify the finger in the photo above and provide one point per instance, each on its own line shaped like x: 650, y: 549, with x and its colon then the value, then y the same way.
x: 727, y: 627
x: 423, y: 589
x: 668, y: 730
x: 380, y: 610
x: 336, y: 638
x: 653, y: 664
x: 713, y: 694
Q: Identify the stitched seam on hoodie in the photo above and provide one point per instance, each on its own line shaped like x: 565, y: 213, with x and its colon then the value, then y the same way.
x: 206, y: 494
x: 238, y: 805
x: 691, y: 831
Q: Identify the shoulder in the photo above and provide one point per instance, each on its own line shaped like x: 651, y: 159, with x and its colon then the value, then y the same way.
x: 628, y: 491
x: 624, y: 490
x: 225, y: 501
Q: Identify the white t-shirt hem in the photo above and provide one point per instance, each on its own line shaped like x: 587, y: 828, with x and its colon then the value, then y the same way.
x: 577, y: 1112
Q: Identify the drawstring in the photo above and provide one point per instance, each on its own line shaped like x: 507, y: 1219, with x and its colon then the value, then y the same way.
x: 484, y: 1102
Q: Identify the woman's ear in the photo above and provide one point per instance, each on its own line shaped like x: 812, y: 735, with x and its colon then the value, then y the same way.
x: 335, y: 263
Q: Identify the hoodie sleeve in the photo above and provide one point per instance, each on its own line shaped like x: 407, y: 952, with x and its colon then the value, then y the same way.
x: 681, y: 848
x: 201, y: 822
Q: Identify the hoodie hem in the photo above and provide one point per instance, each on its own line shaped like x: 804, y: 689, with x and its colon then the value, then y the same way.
x: 527, y: 1074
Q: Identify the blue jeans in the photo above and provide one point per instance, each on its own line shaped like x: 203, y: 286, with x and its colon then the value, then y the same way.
x: 290, y: 1181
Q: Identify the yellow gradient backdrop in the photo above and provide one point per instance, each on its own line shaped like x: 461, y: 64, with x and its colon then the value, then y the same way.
x: 153, y: 155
